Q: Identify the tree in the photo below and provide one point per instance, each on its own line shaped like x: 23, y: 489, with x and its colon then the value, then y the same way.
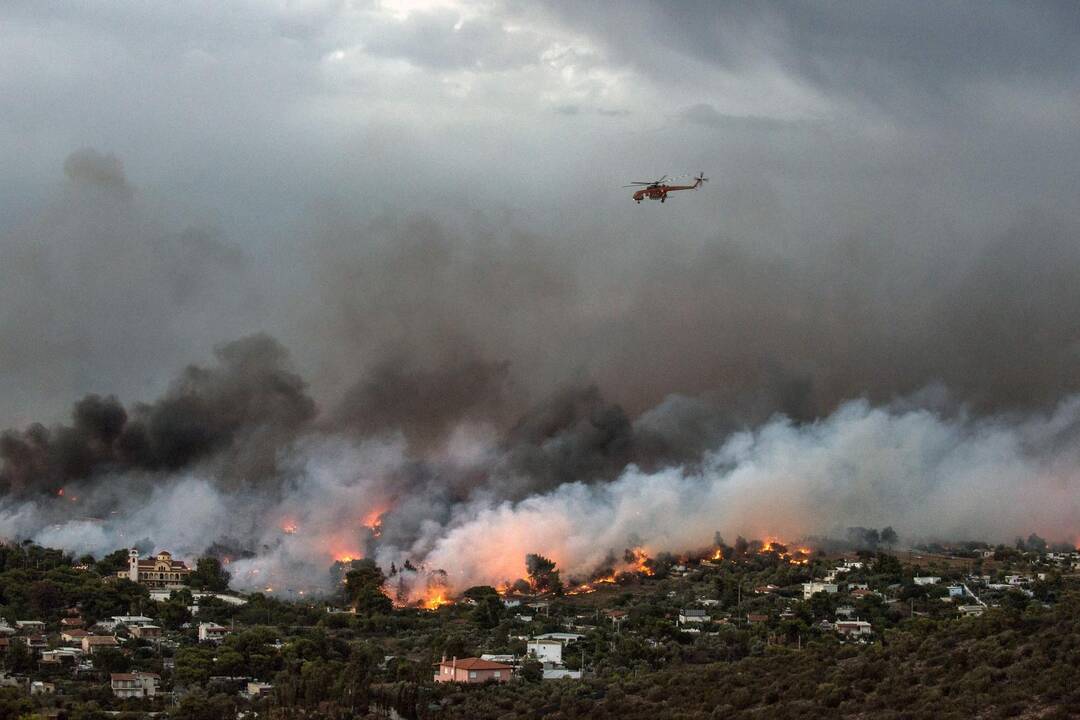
x: 542, y: 574
x: 363, y: 588
x: 209, y: 575
x: 111, y: 660
x: 108, y: 565
x: 532, y: 670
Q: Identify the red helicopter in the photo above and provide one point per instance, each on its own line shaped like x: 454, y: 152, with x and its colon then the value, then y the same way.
x: 657, y: 190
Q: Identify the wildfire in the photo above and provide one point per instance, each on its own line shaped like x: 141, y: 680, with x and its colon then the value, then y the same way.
x: 344, y: 557
x: 373, y: 521
x: 718, y: 555
x: 289, y: 528
x: 435, y: 598
x: 640, y: 562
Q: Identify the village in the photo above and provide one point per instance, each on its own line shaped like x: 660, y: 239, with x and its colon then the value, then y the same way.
x: 152, y: 634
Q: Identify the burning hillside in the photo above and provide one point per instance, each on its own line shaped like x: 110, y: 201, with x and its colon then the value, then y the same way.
x: 575, y: 495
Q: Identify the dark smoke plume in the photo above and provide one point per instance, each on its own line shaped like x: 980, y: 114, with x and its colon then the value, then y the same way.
x: 245, y: 406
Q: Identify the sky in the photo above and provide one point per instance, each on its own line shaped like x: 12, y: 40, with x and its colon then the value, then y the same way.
x: 422, y: 202
x: 261, y: 147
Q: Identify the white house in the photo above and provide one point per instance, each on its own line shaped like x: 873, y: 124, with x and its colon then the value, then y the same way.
x: 212, y: 632
x: 546, y: 651
x: 927, y: 580
x: 134, y: 685
x: 853, y: 628
x: 813, y: 588
x: 693, y: 615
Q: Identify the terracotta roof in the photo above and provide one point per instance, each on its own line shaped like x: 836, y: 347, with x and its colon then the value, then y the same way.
x: 100, y: 640
x: 76, y: 633
x: 475, y: 664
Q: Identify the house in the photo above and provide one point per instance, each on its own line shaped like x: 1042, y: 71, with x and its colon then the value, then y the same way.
x: 693, y: 615
x: 853, y: 628
x: 756, y: 618
x: 30, y: 626
x: 131, y: 621
x: 472, y: 671
x: 146, y: 632
x: 708, y: 602
x: 258, y: 690
x: 71, y: 622
x: 813, y: 588
x: 927, y: 580
x: 161, y: 571
x: 6, y: 629
x: 765, y: 589
x: 956, y: 591
x: 39, y: 687
x: 971, y: 610
x: 212, y: 632
x: 60, y: 656
x: 546, y: 651
x: 134, y: 685
x: 564, y: 637
x: 36, y: 643
x: 74, y: 636
x: 94, y: 643
x: 861, y: 593
x: 560, y: 673
x: 505, y: 659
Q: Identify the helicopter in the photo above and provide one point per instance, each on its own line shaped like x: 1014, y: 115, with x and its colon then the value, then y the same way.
x: 658, y: 190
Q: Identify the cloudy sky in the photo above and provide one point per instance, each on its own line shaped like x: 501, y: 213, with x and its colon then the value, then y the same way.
x: 892, y: 200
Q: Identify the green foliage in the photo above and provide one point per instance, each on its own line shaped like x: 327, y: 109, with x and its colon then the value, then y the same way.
x: 209, y: 575
x: 363, y: 588
x: 542, y: 574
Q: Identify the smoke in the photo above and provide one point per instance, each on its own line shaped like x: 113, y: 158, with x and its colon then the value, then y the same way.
x: 240, y: 410
x: 478, y: 392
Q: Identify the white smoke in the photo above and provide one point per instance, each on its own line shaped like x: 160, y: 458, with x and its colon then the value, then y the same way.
x: 927, y: 473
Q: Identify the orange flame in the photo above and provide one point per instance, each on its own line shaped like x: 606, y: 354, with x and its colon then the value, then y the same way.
x: 434, y: 598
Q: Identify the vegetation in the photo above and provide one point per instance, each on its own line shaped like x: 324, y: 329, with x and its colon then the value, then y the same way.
x: 922, y: 660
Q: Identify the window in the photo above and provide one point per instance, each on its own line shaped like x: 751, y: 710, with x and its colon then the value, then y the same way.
x: 472, y: 674
x: 498, y: 673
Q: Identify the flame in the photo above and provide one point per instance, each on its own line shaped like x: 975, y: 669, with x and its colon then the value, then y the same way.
x: 60, y: 492
x: 373, y: 521
x: 344, y: 557
x: 289, y: 528
x: 434, y: 598
x: 640, y: 562
x: 718, y: 555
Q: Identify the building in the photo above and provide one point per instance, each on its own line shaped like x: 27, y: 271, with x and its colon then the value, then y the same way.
x: 73, y: 637
x: 161, y: 571
x: 472, y: 670
x: 813, y: 588
x: 60, y: 656
x: 971, y: 610
x: 956, y: 591
x: 258, y: 690
x: 94, y: 643
x: 151, y: 633
x: 560, y: 673
x: 134, y: 685
x: 546, y: 651
x: 30, y: 626
x: 40, y: 687
x: 756, y: 618
x: 853, y: 628
x: 693, y: 615
x: 927, y: 580
x: 212, y: 632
